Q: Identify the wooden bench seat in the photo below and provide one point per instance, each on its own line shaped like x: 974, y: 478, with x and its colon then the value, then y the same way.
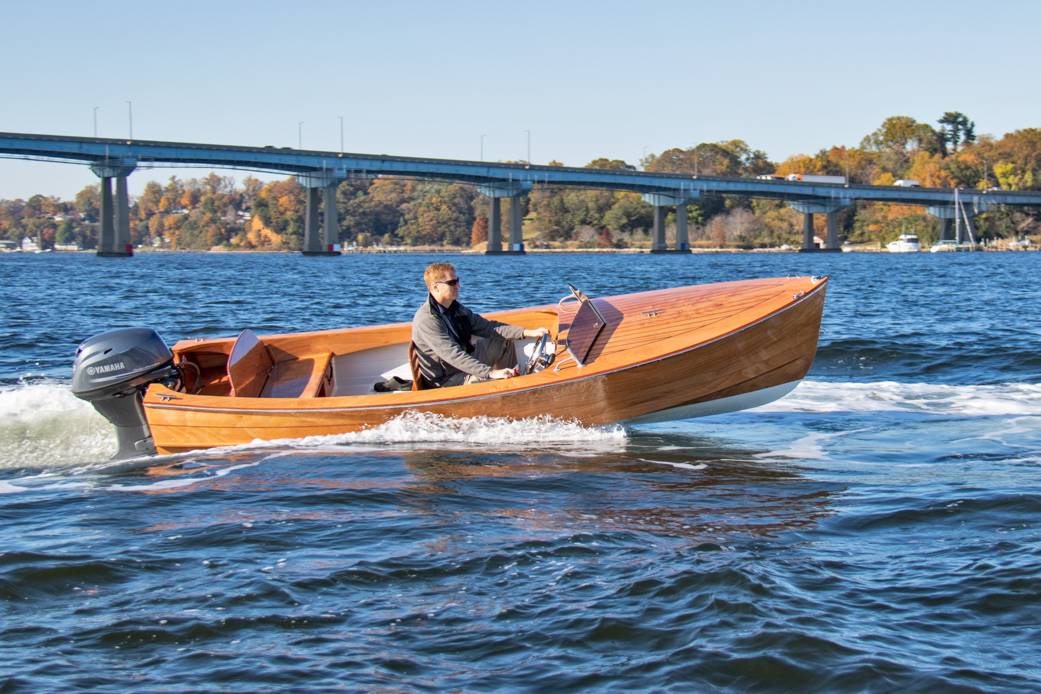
x: 300, y: 378
x: 253, y: 372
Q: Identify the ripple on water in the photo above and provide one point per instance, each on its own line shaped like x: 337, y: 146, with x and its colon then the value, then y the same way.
x: 874, y: 530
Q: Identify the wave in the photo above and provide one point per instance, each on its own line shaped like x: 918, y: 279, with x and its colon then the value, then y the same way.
x: 969, y: 358
x: 424, y: 429
x: 1022, y: 399
x: 45, y: 425
x: 42, y: 425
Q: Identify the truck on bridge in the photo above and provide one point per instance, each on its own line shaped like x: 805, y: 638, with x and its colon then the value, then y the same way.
x: 816, y: 178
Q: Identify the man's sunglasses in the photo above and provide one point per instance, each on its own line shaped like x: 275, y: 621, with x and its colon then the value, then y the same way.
x: 450, y: 283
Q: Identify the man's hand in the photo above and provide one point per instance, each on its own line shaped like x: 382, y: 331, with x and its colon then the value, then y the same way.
x: 496, y: 374
x: 536, y: 332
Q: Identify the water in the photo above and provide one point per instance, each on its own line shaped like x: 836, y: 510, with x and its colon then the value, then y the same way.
x: 875, y: 530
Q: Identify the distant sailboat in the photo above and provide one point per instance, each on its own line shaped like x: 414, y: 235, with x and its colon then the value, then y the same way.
x: 956, y: 244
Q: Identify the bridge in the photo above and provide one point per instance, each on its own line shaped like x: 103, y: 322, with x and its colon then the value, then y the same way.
x: 322, y: 171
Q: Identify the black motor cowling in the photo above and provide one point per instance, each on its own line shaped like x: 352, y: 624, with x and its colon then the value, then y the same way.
x: 112, y: 371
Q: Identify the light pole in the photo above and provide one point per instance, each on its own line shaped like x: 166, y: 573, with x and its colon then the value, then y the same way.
x: 482, y: 146
x: 95, y: 121
x: 529, y: 146
x: 130, y: 117
x: 341, y: 133
x: 300, y: 135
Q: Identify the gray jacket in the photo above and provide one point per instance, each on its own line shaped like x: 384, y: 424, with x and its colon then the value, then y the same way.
x: 440, y: 354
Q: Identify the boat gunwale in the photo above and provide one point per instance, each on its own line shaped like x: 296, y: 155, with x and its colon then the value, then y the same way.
x: 200, y: 343
x: 578, y: 377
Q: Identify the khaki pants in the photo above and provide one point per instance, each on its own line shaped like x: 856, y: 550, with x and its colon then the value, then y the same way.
x: 497, y: 352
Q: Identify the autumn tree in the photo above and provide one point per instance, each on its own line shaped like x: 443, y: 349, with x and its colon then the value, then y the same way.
x: 88, y: 203
x: 479, y: 231
x: 1018, y: 158
x: 955, y: 130
x: 610, y: 164
x: 897, y: 141
x: 629, y: 214
x: 930, y: 171
x: 371, y: 212
x: 280, y: 208
x: 441, y: 214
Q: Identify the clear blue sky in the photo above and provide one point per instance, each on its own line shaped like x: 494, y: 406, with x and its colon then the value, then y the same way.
x: 588, y: 79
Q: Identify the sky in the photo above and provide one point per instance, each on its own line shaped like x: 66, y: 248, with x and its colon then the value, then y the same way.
x: 580, y: 80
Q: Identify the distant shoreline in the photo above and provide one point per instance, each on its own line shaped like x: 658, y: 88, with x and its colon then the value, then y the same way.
x: 872, y: 248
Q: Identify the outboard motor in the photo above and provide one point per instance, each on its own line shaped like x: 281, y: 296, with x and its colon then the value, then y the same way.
x: 112, y: 371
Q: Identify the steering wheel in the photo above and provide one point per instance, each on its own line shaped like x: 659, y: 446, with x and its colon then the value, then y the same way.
x: 539, y: 358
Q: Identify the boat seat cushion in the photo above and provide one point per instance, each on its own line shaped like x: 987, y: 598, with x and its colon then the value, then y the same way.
x: 249, y: 365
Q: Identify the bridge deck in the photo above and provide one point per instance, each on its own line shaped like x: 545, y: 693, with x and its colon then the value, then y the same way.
x: 508, y: 177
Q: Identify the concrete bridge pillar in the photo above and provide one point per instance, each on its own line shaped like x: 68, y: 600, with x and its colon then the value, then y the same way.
x: 830, y: 208
x: 114, y: 239
x: 516, y: 226
x: 682, y: 241
x: 495, y: 192
x: 330, y: 220
x: 662, y: 201
x: 831, y: 243
x: 494, y: 227
x: 658, y: 241
x: 123, y: 217
x: 327, y: 182
x: 947, y: 230
x: 807, y: 232
x: 312, y: 243
x: 107, y: 238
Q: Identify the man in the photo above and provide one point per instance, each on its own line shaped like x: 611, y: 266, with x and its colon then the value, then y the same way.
x: 442, y: 332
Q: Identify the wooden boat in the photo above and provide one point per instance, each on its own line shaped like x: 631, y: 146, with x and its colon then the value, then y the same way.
x: 651, y: 356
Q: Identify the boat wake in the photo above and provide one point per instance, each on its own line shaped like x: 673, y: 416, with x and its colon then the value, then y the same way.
x: 424, y: 428
x: 44, y: 427
x: 1009, y: 399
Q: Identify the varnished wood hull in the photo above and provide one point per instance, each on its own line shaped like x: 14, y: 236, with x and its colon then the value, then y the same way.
x: 665, y: 355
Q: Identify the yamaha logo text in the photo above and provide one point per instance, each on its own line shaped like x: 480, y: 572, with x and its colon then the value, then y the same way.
x: 105, y: 368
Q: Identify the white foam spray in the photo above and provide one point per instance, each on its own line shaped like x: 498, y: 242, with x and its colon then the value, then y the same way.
x: 491, y: 432
x: 45, y: 425
x: 1005, y: 399
x: 681, y: 466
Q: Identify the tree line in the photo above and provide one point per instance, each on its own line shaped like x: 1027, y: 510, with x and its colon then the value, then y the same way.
x: 217, y: 212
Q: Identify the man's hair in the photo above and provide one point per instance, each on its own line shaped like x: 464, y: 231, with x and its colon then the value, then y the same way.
x: 435, y: 271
